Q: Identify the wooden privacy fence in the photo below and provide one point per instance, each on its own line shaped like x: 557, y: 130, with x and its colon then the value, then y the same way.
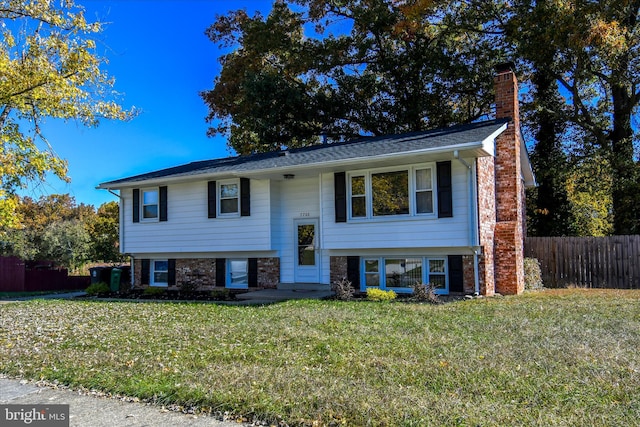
x: 592, y: 262
x: 16, y: 277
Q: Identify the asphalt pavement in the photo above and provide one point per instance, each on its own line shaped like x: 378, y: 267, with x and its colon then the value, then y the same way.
x: 86, y: 410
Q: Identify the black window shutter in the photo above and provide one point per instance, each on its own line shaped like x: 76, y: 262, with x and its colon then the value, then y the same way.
x: 136, y: 205
x: 340, y: 193
x: 253, y: 272
x: 145, y: 271
x: 172, y: 272
x: 221, y: 274
x: 456, y: 273
x: 445, y: 193
x: 353, y: 271
x: 211, y: 198
x: 245, y: 197
x: 163, y: 203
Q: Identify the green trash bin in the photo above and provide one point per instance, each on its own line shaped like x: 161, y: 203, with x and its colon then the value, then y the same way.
x: 116, y: 273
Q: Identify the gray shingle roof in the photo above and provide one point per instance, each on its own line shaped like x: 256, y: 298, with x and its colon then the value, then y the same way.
x: 356, y: 149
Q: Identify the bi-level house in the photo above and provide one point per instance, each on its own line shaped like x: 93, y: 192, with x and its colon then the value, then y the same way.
x: 444, y: 207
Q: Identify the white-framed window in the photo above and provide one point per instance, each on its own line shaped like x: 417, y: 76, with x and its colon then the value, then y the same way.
x: 424, y: 190
x: 391, y: 192
x: 159, y: 273
x: 238, y: 273
x: 400, y: 273
x: 149, y: 205
x: 229, y: 197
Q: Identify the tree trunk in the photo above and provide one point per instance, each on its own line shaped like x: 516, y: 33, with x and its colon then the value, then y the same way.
x: 626, y: 200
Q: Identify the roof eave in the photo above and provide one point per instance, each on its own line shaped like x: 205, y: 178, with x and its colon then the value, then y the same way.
x: 479, y: 149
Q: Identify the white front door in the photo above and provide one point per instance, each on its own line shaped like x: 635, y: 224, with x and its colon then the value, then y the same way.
x: 307, y: 266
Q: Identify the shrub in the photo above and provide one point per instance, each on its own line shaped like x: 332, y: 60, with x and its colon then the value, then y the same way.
x: 375, y: 294
x: 422, y: 292
x: 344, y: 289
x: 98, y: 288
x: 152, y: 290
x: 532, y: 274
x: 221, y: 294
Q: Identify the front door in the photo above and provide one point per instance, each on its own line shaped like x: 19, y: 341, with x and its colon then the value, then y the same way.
x: 307, y: 268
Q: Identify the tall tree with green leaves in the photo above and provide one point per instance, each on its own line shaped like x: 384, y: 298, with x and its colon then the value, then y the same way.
x: 49, y: 68
x: 322, y: 68
x: 596, y: 67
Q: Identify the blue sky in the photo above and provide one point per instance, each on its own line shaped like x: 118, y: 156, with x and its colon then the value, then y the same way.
x: 161, y: 60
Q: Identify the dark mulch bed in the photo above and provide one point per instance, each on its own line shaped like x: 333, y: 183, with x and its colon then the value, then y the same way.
x: 171, y: 295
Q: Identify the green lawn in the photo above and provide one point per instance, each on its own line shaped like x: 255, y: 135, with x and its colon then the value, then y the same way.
x: 567, y: 357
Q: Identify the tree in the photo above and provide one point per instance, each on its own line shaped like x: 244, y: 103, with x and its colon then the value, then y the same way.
x: 67, y: 242
x: 104, y: 232
x: 372, y: 67
x: 595, y: 64
x: 32, y: 239
x: 49, y: 67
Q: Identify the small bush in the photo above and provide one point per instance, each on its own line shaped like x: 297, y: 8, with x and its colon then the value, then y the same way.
x: 344, y: 289
x: 152, y: 290
x: 375, y: 294
x: 98, y: 288
x: 221, y: 294
x: 532, y: 274
x: 422, y: 292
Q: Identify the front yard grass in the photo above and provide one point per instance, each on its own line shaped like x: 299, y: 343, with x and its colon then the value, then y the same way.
x: 567, y: 357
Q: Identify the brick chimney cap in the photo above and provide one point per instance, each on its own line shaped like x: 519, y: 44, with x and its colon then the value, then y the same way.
x: 505, y: 67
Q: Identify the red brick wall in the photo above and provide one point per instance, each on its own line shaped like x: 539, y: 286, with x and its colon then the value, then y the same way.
x: 337, y: 268
x: 268, y: 273
x: 508, y: 236
x: 202, y: 272
x: 487, y: 222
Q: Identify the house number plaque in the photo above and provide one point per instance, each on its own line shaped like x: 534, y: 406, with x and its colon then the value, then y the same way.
x: 305, y: 214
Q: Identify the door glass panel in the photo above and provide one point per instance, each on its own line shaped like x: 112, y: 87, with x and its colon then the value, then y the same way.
x: 306, y: 244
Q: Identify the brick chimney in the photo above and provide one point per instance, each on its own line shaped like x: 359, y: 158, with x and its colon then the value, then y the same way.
x: 509, y: 188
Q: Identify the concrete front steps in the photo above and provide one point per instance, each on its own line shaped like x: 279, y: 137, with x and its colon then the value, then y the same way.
x: 284, y: 292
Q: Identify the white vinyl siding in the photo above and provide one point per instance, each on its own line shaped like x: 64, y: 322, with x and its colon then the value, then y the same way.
x: 422, y: 231
x: 191, y: 231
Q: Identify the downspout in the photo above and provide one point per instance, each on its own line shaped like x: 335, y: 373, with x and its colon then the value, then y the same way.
x: 473, y: 215
x: 121, y: 230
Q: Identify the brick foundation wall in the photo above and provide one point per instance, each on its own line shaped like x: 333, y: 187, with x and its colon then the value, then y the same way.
x: 268, y: 273
x: 469, y: 285
x: 201, y: 272
x: 338, y: 268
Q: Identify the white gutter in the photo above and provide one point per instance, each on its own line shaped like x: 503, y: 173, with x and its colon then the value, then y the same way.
x: 473, y: 215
